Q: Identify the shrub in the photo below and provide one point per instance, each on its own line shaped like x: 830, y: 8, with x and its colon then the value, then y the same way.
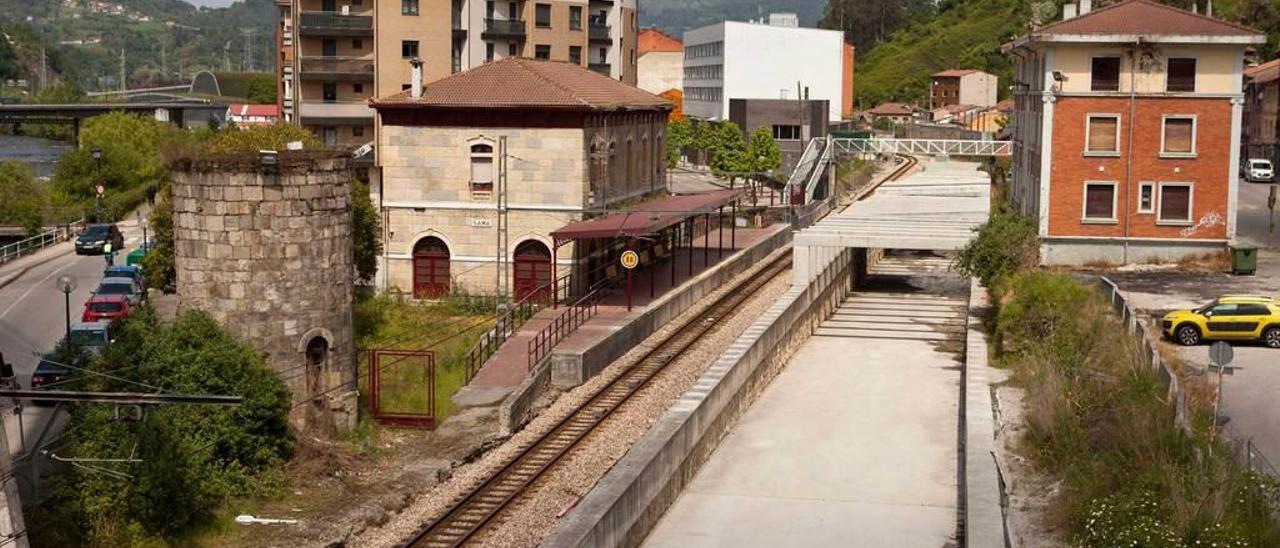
x: 20, y: 197
x: 158, y: 262
x: 366, y: 233
x: 1006, y: 243
x: 249, y: 140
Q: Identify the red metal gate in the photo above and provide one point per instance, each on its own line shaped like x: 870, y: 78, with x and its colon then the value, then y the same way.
x: 402, y: 387
x: 532, y: 273
x: 430, y: 269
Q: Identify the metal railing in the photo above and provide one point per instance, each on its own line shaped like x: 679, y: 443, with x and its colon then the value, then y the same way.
x: 800, y: 175
x: 505, y: 27
x: 332, y: 21
x: 926, y: 147
x: 337, y: 65
x: 40, y: 241
x: 603, y: 68
x: 503, y: 329
x: 1257, y: 462
x: 598, y: 32
x: 565, y: 323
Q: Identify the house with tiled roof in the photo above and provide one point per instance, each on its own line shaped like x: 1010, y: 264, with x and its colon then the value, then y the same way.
x: 562, y: 140
x: 661, y: 64
x: 962, y: 87
x: 1127, y: 124
x: 1261, y: 104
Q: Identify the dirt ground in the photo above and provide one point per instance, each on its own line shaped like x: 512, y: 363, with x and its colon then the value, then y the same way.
x: 1030, y: 493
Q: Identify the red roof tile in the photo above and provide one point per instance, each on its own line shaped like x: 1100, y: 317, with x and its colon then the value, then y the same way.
x: 892, y: 109
x: 950, y: 73
x: 652, y: 39
x: 1261, y: 74
x: 649, y: 217
x: 1146, y: 17
x: 516, y: 82
x: 241, y: 109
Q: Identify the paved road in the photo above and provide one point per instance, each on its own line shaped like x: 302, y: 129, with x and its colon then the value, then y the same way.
x: 853, y: 444
x: 1254, y: 216
x: 32, y: 317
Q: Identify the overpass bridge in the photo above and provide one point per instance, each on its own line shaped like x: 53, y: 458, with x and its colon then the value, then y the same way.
x: 180, y: 113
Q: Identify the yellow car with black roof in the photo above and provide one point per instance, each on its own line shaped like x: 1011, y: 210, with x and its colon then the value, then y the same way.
x: 1227, y: 318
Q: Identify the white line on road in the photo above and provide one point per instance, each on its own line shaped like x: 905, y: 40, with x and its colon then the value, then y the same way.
x: 27, y: 293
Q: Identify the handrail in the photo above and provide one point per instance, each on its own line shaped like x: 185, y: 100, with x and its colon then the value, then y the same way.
x: 565, y: 323
x: 40, y: 241
x: 803, y: 167
x: 505, y: 327
x: 819, y: 168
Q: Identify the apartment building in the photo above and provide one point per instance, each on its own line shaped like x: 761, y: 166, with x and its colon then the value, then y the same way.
x: 661, y: 64
x: 765, y: 60
x: 962, y: 87
x: 335, y: 55
x: 1261, y: 105
x: 1128, y: 123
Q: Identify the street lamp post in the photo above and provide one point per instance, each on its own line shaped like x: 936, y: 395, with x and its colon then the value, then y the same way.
x: 143, y: 224
x: 97, y: 195
x: 67, y: 284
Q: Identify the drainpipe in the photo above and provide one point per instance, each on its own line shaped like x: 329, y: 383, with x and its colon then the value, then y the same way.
x: 1128, y: 162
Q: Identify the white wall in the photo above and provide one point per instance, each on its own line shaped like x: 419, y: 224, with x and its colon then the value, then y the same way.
x: 659, y: 71
x: 762, y: 60
x: 694, y: 107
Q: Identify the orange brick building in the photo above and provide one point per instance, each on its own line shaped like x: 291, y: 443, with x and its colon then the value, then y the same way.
x: 1127, y: 124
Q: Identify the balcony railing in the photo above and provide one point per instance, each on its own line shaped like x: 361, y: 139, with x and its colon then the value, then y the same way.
x: 337, y: 68
x: 314, y: 112
x: 603, y: 68
x: 504, y: 28
x: 332, y: 23
x: 598, y: 32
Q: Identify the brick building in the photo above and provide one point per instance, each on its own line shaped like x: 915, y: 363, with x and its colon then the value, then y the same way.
x: 1261, y: 103
x: 962, y: 87
x: 575, y: 141
x: 1128, y: 120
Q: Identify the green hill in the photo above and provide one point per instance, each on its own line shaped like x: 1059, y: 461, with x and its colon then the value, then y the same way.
x: 677, y: 16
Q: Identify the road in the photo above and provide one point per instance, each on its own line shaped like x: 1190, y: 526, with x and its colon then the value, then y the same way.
x: 32, y: 317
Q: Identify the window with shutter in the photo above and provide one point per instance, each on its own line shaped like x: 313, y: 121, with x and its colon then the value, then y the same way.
x: 1179, y: 136
x: 1175, y: 203
x: 1103, y: 135
x: 1100, y: 201
x: 481, y: 171
x: 1105, y: 75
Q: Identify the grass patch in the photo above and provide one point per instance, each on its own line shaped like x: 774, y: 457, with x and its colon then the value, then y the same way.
x: 1097, y: 418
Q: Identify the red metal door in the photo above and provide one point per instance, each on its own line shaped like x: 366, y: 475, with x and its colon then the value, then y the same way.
x: 532, y: 273
x: 430, y: 269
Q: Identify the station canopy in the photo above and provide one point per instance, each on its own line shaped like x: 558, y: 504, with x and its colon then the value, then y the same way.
x: 648, y: 218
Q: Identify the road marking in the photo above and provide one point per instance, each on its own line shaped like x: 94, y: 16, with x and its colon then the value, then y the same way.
x: 27, y: 293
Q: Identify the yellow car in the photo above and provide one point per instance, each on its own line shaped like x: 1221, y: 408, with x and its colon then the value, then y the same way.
x: 1230, y: 317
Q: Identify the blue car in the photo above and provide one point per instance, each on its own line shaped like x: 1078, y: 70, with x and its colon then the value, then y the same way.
x: 124, y: 271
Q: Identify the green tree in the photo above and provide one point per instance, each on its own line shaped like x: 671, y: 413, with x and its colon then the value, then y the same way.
x: 261, y: 89
x: 1005, y: 244
x: 763, y: 153
x: 366, y: 237
x: 725, y: 148
x: 158, y: 262
x: 679, y: 136
x: 62, y: 93
x: 20, y: 197
x: 131, y: 160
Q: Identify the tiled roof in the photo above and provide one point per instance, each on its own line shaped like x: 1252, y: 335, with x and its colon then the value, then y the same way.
x: 652, y: 39
x: 516, y: 82
x: 1261, y: 74
x: 892, y: 109
x: 241, y: 109
x: 950, y: 73
x: 1006, y: 105
x: 1146, y: 17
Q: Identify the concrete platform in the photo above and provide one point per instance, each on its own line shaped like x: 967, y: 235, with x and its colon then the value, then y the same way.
x: 855, y: 443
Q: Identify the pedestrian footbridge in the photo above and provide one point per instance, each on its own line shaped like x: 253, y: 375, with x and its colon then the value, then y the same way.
x: 925, y: 147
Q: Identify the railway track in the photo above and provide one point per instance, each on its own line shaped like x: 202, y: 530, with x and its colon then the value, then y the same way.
x: 482, y: 506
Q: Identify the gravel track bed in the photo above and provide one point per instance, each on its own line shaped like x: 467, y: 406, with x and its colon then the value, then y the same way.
x: 528, y: 519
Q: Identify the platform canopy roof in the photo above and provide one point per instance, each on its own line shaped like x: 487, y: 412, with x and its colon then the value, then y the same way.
x: 648, y: 218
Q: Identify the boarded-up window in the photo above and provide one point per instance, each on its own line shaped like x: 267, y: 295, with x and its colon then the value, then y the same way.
x: 1106, y: 74
x: 1104, y: 134
x: 1179, y: 136
x: 1175, y: 203
x: 481, y: 164
x: 1100, y: 201
x: 1181, y: 75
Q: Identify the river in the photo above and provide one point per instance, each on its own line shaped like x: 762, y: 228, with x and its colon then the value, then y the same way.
x: 41, y: 154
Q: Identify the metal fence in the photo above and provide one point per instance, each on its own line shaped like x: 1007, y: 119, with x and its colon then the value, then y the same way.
x: 40, y: 241
x: 565, y: 323
x: 504, y: 328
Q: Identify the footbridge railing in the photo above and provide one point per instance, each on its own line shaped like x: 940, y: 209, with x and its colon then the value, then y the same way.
x: 924, y: 147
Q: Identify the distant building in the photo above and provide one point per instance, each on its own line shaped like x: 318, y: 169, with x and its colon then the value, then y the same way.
x: 661, y: 64
x: 1127, y: 162
x: 765, y: 60
x: 1261, y: 102
x: 576, y: 141
x: 242, y: 114
x: 962, y: 87
x: 792, y: 123
x: 895, y: 113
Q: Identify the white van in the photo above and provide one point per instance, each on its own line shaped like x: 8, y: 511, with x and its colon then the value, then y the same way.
x: 1258, y: 170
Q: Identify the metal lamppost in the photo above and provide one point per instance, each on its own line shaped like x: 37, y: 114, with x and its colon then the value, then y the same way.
x: 143, y: 224
x: 67, y: 284
x: 97, y: 195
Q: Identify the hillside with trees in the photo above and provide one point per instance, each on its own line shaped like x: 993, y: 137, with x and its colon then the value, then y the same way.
x: 677, y: 16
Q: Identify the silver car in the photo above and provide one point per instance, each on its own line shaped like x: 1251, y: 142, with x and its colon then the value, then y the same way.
x: 127, y: 287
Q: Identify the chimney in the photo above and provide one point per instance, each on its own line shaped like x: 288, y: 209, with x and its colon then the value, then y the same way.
x: 1086, y: 6
x: 1068, y: 11
x: 415, y: 87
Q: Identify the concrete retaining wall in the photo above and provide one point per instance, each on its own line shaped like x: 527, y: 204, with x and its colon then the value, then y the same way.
x: 984, y: 518
x: 571, y: 367
x: 1075, y: 252
x: 632, y: 497
x: 517, y: 407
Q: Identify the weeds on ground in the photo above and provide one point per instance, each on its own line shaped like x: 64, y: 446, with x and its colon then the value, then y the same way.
x: 1097, y: 418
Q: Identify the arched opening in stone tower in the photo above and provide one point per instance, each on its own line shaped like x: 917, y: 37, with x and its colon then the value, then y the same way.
x: 533, y: 271
x: 317, y: 355
x: 430, y: 268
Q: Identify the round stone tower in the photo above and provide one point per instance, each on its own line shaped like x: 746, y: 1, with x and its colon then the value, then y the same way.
x: 264, y: 245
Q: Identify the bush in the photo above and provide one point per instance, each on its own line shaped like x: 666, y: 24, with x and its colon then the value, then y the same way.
x: 158, y: 262
x: 20, y: 197
x: 1006, y: 243
x: 249, y: 140
x: 366, y: 233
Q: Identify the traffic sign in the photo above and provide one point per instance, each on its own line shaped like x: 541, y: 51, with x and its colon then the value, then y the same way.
x: 100, y: 189
x: 630, y: 259
x: 1220, y: 353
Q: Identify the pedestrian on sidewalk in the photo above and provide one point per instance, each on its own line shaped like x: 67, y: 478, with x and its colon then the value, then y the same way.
x: 109, y: 253
x: 151, y: 194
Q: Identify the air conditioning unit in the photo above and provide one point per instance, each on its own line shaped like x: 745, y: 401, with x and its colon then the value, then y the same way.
x: 346, y: 10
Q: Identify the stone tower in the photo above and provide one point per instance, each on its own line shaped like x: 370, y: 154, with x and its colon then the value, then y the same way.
x: 266, y: 248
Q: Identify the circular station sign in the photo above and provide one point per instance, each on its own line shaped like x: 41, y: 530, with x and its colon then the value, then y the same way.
x: 630, y: 259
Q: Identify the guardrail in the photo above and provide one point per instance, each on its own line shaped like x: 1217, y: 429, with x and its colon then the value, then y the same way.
x: 504, y: 328
x: 40, y: 241
x: 565, y: 323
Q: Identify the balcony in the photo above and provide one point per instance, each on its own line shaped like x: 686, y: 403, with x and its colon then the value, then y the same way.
x: 603, y: 68
x: 336, y: 113
x: 504, y: 29
x: 346, y: 69
x: 332, y: 23
x: 598, y: 32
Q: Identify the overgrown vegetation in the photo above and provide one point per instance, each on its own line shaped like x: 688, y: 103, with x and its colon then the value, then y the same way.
x: 366, y: 233
x: 21, y: 198
x: 193, y: 458
x: 158, y: 262
x: 1005, y: 244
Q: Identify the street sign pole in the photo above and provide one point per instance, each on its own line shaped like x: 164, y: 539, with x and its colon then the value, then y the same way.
x: 629, y: 260
x: 1220, y: 356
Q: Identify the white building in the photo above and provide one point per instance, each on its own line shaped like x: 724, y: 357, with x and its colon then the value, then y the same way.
x: 765, y: 60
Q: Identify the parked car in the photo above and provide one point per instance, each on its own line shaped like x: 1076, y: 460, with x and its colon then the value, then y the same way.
x: 121, y: 286
x: 1230, y: 317
x: 125, y: 271
x: 1259, y: 170
x: 105, y: 308
x: 50, y: 370
x: 95, y: 236
x: 90, y: 337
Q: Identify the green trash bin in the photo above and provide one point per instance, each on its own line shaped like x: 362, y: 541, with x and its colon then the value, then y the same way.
x: 1244, y: 260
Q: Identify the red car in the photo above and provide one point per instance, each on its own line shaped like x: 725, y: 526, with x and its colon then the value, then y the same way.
x: 105, y: 308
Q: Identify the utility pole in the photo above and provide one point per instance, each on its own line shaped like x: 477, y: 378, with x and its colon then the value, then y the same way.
x: 501, y: 265
x: 124, y: 85
x: 164, y: 69
x: 247, y: 64
x: 44, y: 69
x: 226, y: 56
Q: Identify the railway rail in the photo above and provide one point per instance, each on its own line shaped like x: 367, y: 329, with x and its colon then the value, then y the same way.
x: 472, y: 513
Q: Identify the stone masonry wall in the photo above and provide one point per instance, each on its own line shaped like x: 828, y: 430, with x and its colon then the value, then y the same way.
x: 269, y: 256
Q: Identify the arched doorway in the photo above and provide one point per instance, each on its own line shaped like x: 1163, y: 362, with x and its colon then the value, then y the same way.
x: 430, y: 268
x: 317, y: 354
x: 532, y: 271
